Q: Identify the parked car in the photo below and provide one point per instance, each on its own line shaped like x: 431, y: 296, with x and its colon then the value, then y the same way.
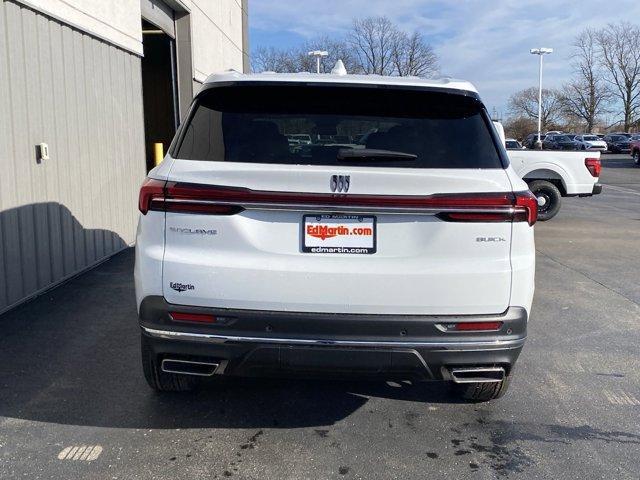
x: 532, y: 138
x: 552, y: 175
x: 591, y: 142
x: 296, y: 139
x: 301, y: 138
x: 618, y: 143
x: 634, y: 147
x: 409, y: 257
x: 513, y: 144
x: 559, y: 142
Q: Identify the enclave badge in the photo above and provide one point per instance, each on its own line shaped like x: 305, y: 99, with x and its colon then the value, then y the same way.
x: 194, y: 231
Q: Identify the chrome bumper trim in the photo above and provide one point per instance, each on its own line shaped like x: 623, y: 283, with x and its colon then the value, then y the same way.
x: 222, y: 339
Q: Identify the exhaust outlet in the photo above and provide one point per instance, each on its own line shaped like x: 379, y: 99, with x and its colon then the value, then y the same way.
x: 188, y: 367
x: 477, y: 374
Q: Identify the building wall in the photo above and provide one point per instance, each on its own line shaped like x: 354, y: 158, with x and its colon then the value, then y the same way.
x: 83, y: 97
x: 116, y: 21
x: 217, y: 27
x: 70, y: 76
x: 217, y: 36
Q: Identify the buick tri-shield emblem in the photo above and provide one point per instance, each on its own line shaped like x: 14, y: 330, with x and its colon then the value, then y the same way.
x: 340, y: 183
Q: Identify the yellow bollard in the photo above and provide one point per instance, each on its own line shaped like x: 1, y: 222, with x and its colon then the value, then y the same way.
x: 158, y: 153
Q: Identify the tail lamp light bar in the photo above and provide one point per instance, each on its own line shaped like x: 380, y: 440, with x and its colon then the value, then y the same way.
x: 158, y: 195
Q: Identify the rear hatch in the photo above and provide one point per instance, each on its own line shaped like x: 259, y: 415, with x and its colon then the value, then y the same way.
x: 400, y: 204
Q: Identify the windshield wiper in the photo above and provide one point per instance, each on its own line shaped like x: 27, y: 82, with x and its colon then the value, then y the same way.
x: 373, y: 154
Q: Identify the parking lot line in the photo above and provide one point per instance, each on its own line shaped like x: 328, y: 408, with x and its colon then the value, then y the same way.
x: 86, y: 453
x: 624, y: 190
x: 621, y: 398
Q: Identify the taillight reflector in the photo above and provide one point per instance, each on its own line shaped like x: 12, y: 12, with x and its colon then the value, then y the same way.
x: 594, y: 166
x: 192, y: 317
x: 472, y: 326
x: 478, y: 326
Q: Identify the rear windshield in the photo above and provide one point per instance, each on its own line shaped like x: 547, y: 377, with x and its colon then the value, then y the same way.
x: 321, y: 125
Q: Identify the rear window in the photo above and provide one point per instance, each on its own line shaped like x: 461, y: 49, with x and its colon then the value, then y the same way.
x: 322, y: 125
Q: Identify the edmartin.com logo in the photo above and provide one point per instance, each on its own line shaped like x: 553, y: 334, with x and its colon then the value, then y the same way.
x: 181, y: 287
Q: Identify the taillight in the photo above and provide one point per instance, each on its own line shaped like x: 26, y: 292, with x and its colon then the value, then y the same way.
x: 162, y: 196
x: 471, y: 326
x: 190, y: 198
x: 222, y: 200
x: 526, y: 207
x: 150, y: 189
x: 192, y: 317
x: 594, y: 166
x: 509, y: 207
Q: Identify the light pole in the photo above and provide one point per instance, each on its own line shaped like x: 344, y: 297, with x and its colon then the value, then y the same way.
x: 541, y: 52
x: 318, y: 54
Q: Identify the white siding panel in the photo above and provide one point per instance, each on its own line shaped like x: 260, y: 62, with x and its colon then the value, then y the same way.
x: 83, y: 97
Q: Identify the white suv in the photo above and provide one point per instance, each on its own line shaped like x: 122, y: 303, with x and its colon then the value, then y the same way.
x: 405, y: 250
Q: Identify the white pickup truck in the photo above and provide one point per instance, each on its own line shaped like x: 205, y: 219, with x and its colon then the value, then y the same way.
x: 552, y: 175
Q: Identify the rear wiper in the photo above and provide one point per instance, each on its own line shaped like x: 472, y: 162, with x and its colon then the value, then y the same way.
x: 373, y: 154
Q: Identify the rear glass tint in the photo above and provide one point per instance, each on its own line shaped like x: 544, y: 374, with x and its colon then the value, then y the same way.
x: 321, y: 125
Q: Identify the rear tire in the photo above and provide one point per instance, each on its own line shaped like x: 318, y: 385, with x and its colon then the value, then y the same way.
x: 549, y: 199
x: 157, y: 379
x: 636, y: 158
x: 482, y: 392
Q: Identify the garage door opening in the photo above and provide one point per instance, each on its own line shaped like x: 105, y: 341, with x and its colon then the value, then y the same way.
x: 159, y: 90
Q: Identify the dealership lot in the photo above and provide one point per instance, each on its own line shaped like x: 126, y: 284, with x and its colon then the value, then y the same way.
x: 70, y: 377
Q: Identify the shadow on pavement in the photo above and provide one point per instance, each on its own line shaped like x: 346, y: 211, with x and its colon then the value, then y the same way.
x: 72, y: 357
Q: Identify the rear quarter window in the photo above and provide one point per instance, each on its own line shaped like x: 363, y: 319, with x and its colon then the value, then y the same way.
x: 316, y: 125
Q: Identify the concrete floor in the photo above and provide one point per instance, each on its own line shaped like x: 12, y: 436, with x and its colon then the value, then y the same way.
x: 70, y: 376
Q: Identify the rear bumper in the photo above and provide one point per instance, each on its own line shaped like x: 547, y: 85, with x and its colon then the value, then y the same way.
x: 257, y: 343
x: 596, y: 190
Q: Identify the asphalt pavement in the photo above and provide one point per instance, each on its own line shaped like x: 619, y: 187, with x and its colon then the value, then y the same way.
x: 74, y: 404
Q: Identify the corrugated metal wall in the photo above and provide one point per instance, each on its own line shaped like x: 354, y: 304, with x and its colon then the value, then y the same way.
x: 83, y: 97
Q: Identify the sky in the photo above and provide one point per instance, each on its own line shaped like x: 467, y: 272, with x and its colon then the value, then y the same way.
x: 486, y: 42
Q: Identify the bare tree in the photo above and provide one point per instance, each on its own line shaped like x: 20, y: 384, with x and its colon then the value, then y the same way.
x: 525, y: 104
x: 411, y: 55
x: 297, y: 59
x: 270, y: 59
x: 338, y: 49
x: 619, y: 48
x: 374, y: 39
x: 585, y: 97
x: 519, y: 127
x: 373, y: 45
